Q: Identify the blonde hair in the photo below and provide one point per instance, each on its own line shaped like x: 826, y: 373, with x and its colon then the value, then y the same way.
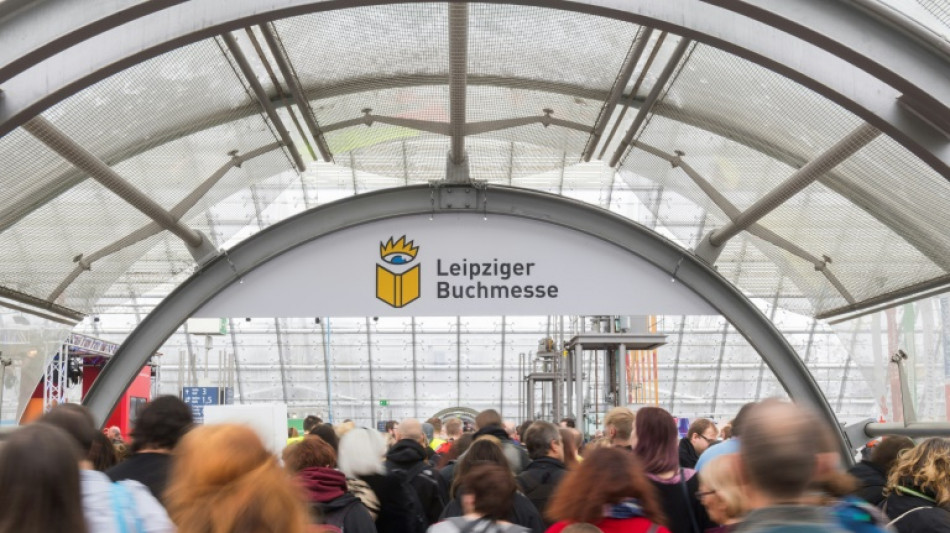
x: 721, y: 475
x: 622, y: 419
x: 224, y: 480
x: 927, y: 467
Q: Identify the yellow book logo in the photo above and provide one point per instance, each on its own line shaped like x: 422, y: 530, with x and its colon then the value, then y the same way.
x: 399, y: 286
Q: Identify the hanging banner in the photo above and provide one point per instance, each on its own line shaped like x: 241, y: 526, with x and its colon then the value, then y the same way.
x: 460, y: 264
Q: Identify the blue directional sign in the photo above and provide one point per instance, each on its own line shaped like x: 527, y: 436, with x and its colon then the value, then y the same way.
x: 198, y: 398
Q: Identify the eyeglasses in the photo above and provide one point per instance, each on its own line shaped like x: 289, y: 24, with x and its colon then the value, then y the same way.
x: 700, y: 494
x: 707, y: 439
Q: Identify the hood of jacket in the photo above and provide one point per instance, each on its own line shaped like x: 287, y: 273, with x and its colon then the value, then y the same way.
x: 406, y: 453
x: 495, y: 431
x: 322, y: 484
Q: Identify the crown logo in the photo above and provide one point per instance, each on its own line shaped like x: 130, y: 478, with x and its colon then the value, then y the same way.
x: 399, y: 252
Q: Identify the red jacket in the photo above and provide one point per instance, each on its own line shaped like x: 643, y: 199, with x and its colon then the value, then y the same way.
x: 615, y: 525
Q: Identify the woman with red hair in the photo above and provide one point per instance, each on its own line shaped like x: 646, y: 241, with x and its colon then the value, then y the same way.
x: 608, y: 489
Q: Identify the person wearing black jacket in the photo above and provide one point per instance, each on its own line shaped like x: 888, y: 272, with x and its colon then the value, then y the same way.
x: 313, y: 464
x: 699, y: 437
x: 872, y: 473
x: 484, y: 451
x: 545, y: 472
x: 407, y: 459
x: 918, y: 489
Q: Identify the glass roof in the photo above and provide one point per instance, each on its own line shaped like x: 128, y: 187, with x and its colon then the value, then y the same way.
x: 173, y: 125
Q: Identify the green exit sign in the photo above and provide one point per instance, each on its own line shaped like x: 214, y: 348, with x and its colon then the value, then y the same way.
x: 383, y: 403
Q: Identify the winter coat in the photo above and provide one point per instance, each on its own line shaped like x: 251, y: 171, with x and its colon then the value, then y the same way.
x: 539, y: 480
x: 517, y: 456
x: 327, y: 491
x: 872, y: 479
x: 394, y: 510
x: 929, y: 517
x: 688, y: 455
x: 403, y: 456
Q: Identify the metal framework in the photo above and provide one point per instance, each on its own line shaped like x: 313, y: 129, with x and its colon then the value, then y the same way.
x: 679, y: 264
x: 875, y: 68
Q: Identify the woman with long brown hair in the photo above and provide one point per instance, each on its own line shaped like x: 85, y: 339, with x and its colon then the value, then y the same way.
x: 608, y: 489
x: 224, y: 480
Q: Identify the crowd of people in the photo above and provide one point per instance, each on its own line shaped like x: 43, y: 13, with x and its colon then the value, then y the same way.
x: 774, y: 468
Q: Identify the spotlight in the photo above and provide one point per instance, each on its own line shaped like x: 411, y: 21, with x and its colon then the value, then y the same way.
x: 248, y: 319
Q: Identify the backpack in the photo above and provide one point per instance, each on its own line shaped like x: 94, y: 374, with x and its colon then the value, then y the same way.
x: 418, y: 520
x: 333, y: 521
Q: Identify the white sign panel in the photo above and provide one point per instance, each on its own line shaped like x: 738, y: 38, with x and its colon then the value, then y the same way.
x: 269, y: 421
x: 458, y: 264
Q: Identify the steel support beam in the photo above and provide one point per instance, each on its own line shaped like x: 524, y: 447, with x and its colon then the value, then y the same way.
x: 293, y: 83
x: 458, y: 71
x: 626, y: 72
x: 658, y: 87
x: 803, y: 177
x: 44, y: 131
x: 857, y: 60
x: 263, y: 99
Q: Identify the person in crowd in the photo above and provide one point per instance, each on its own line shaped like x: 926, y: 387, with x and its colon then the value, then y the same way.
x: 343, y: 428
x: 702, y: 434
x: 310, y: 422
x: 489, y: 422
x: 122, y: 451
x: 313, y: 464
x: 729, y: 445
x: 453, y: 430
x: 391, y: 427
x: 512, y: 429
x: 159, y: 427
x: 569, y: 438
x: 546, y: 469
x: 407, y: 461
x: 872, y: 473
x: 448, y: 461
x: 224, y: 480
x: 103, y: 455
x: 581, y: 527
x: 328, y: 434
x: 39, y: 482
x: 726, y: 432
x: 676, y: 487
x: 429, y: 431
x: 438, y: 435
x: 115, y: 434
x: 568, y: 422
x: 361, y: 460
x: 618, y: 428
x: 522, y: 428
x: 917, y: 495
x: 720, y: 492
x: 833, y: 488
x: 609, y: 490
x: 487, y: 450
x: 777, y: 461
x: 487, y: 498
x: 138, y: 510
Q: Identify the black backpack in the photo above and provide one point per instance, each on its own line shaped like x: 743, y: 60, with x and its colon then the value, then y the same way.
x: 418, y: 521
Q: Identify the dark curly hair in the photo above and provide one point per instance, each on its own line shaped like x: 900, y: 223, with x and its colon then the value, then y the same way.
x: 161, y: 424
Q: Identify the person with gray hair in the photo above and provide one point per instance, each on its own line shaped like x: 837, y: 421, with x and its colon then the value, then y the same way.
x: 546, y: 469
x: 777, y: 462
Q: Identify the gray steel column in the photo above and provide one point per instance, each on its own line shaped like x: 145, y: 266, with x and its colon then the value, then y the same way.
x: 579, y: 386
x: 458, y: 72
x: 501, y: 396
x: 415, y: 376
x: 369, y: 355
x: 622, y: 385
x: 280, y: 360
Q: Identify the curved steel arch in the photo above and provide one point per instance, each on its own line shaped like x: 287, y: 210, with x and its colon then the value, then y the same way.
x: 858, y: 61
x: 682, y: 266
